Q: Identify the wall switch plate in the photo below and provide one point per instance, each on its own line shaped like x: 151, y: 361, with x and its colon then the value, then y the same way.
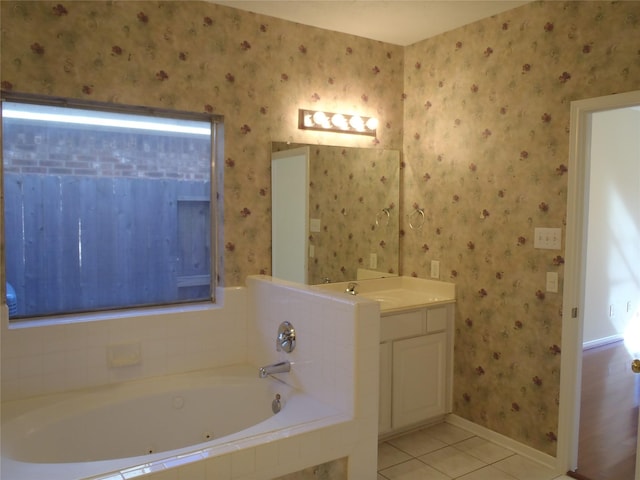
x: 552, y: 282
x: 435, y: 269
x: 312, y: 251
x: 373, y: 260
x: 548, y: 238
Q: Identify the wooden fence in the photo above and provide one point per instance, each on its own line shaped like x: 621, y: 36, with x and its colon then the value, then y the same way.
x: 77, y: 243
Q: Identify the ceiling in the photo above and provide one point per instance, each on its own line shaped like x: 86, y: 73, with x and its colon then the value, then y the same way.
x: 399, y: 22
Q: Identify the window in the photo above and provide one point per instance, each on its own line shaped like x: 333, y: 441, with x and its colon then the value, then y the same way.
x: 105, y: 209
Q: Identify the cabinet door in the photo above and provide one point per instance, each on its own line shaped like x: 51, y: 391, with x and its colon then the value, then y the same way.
x: 384, y: 405
x: 418, y: 379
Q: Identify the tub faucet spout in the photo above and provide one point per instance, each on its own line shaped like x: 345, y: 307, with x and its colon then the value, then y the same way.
x: 280, y: 367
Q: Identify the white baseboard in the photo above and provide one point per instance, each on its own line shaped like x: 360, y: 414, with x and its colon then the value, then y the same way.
x: 599, y: 342
x: 506, y: 442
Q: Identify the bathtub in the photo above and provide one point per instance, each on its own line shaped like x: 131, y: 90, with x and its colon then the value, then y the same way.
x: 134, y: 429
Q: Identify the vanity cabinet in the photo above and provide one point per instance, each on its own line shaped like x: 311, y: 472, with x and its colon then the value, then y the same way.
x: 415, y: 366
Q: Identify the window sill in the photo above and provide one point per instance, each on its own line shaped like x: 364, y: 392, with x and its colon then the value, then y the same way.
x: 107, y: 315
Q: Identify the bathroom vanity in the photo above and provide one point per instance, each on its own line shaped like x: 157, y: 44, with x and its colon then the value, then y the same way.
x: 416, y: 348
x: 415, y: 366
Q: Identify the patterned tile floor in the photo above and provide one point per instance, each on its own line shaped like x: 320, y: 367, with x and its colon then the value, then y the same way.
x: 445, y: 452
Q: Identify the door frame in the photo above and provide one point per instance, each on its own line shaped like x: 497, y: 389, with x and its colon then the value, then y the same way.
x: 574, y: 270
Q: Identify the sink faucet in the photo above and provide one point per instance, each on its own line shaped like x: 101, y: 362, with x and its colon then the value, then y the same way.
x: 351, y: 288
x: 280, y: 367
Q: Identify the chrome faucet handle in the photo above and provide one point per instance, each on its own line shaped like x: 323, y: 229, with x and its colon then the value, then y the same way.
x: 351, y: 288
x: 286, y: 337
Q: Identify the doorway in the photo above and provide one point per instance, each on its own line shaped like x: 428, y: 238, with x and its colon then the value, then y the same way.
x: 608, y: 414
x: 577, y: 298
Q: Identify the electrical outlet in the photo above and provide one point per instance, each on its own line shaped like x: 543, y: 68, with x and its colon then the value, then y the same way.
x: 435, y: 269
x: 373, y: 260
x: 552, y: 282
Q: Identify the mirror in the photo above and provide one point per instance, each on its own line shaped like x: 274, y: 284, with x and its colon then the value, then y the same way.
x: 349, y: 227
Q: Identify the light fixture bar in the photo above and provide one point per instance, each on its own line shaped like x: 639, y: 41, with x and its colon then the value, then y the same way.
x: 336, y: 122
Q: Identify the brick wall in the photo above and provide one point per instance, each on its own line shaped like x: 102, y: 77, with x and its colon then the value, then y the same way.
x: 55, y: 150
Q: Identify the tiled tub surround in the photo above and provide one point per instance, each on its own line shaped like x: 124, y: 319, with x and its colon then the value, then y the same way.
x: 339, y: 372
x: 61, y: 357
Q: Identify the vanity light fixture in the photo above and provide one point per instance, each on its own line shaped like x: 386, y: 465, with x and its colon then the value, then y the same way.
x: 336, y: 122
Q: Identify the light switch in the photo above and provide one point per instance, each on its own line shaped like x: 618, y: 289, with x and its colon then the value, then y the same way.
x: 548, y: 238
x: 552, y: 282
x: 373, y: 260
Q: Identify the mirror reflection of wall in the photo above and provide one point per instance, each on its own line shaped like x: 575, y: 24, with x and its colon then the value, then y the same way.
x: 353, y: 199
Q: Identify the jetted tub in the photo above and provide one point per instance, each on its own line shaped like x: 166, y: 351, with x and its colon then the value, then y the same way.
x: 128, y: 430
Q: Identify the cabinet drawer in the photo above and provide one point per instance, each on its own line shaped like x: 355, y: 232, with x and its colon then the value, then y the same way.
x: 403, y: 325
x: 437, y: 320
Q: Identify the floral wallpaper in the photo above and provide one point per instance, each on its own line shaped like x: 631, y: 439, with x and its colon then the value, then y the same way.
x: 486, y: 153
x: 354, y: 193
x: 481, y: 114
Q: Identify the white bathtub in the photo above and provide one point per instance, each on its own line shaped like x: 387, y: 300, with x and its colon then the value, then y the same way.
x: 133, y: 429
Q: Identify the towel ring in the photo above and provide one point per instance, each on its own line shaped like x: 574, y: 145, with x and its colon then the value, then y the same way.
x: 416, y: 219
x: 380, y: 217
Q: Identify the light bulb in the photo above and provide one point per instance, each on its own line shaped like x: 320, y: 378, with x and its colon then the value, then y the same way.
x: 372, y: 123
x: 356, y: 123
x: 320, y: 118
x: 339, y: 121
x: 308, y: 120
